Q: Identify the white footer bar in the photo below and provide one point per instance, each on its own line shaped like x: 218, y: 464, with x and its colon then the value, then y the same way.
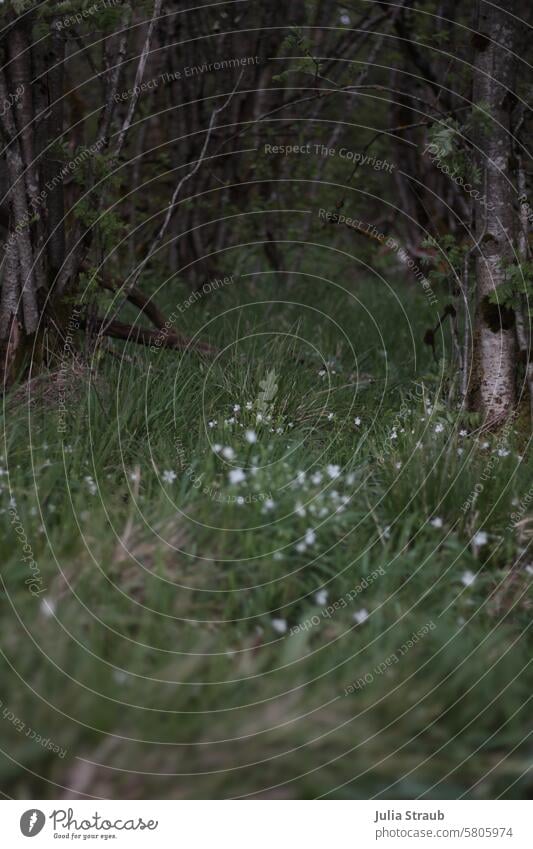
x: 267, y: 824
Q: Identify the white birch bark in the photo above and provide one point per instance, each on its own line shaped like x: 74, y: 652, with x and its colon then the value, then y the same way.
x: 493, y: 383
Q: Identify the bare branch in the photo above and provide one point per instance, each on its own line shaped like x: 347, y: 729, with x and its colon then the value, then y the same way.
x: 107, y: 115
x: 148, y: 337
x: 172, y: 205
x: 138, y: 77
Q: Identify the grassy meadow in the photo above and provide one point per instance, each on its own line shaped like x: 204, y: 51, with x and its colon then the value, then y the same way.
x: 287, y: 570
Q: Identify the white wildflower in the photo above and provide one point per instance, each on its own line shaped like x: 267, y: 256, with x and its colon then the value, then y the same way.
x: 168, y: 476
x: 357, y: 421
x: 468, y: 578
x: 236, y: 476
x: 439, y: 428
x: 91, y: 486
x: 250, y: 436
x: 436, y: 522
x: 333, y: 471
x: 480, y: 538
x: 310, y: 537
x: 321, y: 597
x: 228, y: 452
x: 279, y: 625
x: 360, y: 616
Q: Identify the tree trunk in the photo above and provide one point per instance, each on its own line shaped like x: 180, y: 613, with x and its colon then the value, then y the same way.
x: 53, y: 161
x: 494, y: 362
x: 523, y: 332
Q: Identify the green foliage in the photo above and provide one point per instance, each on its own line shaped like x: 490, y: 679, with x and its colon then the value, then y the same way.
x: 448, y: 261
x: 518, y: 284
x: 87, y: 14
x: 297, y: 42
x: 448, y: 139
x: 451, y: 145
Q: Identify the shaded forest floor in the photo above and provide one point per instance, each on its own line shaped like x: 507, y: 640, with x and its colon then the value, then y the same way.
x: 286, y: 571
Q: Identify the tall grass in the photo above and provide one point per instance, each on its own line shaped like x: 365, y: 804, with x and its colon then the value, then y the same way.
x: 195, y: 635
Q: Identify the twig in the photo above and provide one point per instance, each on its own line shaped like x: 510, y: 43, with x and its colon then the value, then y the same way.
x: 172, y: 205
x: 173, y: 202
x: 106, y: 116
x: 138, y: 78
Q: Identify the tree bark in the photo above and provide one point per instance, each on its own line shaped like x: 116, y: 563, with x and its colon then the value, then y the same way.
x: 523, y: 331
x: 53, y: 162
x: 493, y: 381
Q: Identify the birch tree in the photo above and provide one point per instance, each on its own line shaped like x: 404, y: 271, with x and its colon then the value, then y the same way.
x: 494, y: 363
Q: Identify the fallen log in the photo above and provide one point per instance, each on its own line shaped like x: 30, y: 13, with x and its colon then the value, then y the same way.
x: 155, y: 339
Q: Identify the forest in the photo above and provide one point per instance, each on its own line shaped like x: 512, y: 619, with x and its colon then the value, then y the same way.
x: 266, y: 366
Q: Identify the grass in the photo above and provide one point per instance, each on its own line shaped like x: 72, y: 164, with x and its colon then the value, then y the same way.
x: 356, y: 627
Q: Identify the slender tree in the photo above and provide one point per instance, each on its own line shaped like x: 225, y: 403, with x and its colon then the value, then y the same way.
x: 494, y: 364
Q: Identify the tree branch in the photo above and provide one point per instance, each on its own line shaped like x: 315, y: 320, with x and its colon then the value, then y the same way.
x: 138, y: 78
x: 145, y: 336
